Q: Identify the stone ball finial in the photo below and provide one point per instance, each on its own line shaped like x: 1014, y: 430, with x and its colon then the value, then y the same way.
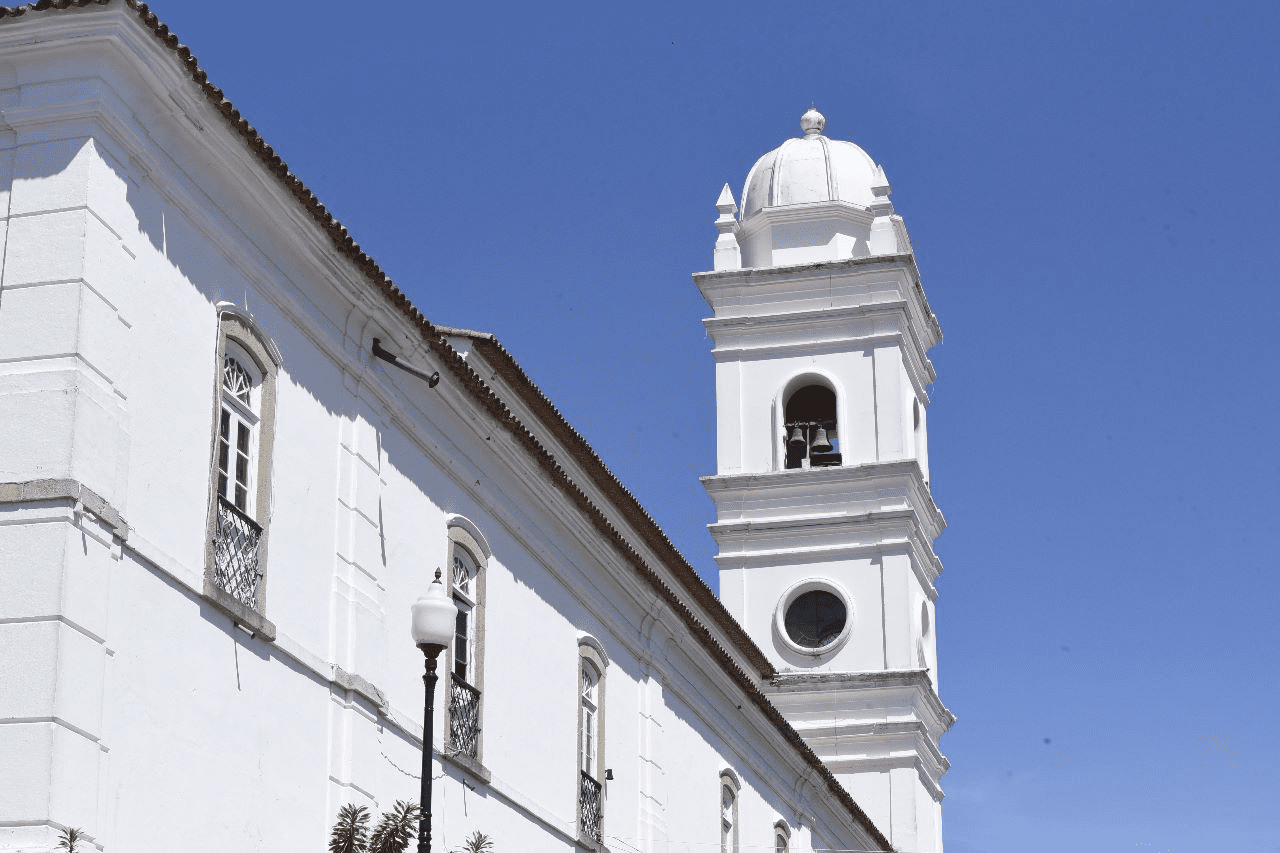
x: 812, y: 122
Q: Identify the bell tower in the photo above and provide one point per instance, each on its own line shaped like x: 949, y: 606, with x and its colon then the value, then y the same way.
x: 824, y: 520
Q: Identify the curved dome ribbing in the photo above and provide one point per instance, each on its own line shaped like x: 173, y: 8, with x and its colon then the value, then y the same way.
x: 810, y: 169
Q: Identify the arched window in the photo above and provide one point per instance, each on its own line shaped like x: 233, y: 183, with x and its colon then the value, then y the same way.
x: 920, y: 437
x: 238, y: 422
x: 464, y: 580
x: 781, y: 837
x: 728, y: 812
x: 809, y: 427
x: 925, y: 628
x: 467, y: 558
x: 240, y: 479
x: 592, y: 663
x: 589, y: 696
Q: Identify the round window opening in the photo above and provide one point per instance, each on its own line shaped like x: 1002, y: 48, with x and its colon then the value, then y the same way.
x: 815, y: 619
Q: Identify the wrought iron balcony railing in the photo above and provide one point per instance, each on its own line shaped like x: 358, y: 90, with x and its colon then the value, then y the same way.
x: 235, y: 554
x: 464, y: 718
x: 590, y: 807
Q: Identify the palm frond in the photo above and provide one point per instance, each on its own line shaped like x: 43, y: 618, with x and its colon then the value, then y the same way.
x: 70, y: 838
x: 351, y: 830
x: 477, y: 842
x: 395, y: 828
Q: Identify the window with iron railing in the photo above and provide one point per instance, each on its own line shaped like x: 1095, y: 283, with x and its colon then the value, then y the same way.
x: 244, y: 410
x: 468, y: 556
x: 590, y: 807
x: 236, y: 570
x: 464, y: 718
x: 592, y: 664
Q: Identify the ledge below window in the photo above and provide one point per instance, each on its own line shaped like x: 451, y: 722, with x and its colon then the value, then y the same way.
x: 586, y: 842
x: 469, y: 765
x: 245, y: 617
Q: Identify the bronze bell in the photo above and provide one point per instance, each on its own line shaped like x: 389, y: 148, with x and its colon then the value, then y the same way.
x: 797, y: 437
x: 820, y: 443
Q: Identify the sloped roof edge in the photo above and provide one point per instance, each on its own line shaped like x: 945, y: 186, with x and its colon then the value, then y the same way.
x: 632, y: 510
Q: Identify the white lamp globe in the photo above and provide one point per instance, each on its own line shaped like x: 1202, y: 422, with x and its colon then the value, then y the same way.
x: 434, y: 616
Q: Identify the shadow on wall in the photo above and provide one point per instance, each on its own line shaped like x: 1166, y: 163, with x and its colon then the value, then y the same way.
x: 181, y: 276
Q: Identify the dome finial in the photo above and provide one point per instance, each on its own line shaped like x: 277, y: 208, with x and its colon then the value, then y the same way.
x: 812, y: 122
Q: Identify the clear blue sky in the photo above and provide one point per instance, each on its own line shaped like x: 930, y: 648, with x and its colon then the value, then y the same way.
x: 1092, y: 191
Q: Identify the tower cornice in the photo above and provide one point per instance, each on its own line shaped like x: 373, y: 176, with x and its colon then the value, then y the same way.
x: 845, y: 490
x: 769, y: 544
x: 868, y: 721
x: 802, y: 515
x: 833, y: 684
x: 826, y: 330
x: 773, y: 290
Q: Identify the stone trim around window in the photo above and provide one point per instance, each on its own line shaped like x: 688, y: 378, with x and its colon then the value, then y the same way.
x: 591, y: 650
x: 237, y: 326
x: 463, y: 534
x: 728, y: 811
x: 781, y: 837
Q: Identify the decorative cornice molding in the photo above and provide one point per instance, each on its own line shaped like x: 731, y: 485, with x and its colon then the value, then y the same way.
x: 849, y: 683
x: 815, y: 211
x: 83, y: 498
x: 796, y: 269
x: 718, y: 285
x: 825, y: 330
x: 890, y: 518
x: 872, y: 487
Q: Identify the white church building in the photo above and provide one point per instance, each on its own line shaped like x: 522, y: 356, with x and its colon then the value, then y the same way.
x: 233, y: 454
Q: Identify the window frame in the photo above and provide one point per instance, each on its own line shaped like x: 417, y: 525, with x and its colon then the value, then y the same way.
x: 591, y: 654
x: 589, y: 678
x: 463, y: 536
x: 781, y: 837
x: 240, y: 415
x: 239, y: 337
x: 467, y: 601
x: 730, y: 826
x: 838, y: 422
x: 799, y: 588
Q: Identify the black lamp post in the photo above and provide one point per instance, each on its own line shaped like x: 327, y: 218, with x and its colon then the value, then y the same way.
x: 434, y: 619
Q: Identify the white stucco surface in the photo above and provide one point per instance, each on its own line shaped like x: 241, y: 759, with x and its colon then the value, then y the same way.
x: 138, y: 704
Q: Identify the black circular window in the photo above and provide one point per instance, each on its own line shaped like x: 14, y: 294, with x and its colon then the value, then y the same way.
x: 815, y: 619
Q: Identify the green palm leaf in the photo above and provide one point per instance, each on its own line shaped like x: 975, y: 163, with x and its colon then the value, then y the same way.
x: 477, y: 842
x: 351, y: 831
x: 395, y: 828
x: 70, y: 838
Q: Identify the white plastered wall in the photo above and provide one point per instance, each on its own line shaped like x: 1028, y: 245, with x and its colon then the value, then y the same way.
x: 873, y: 399
x: 140, y: 712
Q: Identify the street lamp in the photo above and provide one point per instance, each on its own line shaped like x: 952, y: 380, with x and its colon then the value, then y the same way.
x: 434, y: 620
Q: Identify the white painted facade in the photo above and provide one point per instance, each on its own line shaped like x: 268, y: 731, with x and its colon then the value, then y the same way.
x: 147, y: 236
x: 815, y: 291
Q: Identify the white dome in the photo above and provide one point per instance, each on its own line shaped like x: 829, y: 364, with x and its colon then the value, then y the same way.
x: 811, y: 169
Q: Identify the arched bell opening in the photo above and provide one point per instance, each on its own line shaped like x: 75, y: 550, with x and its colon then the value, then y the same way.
x: 809, y: 436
